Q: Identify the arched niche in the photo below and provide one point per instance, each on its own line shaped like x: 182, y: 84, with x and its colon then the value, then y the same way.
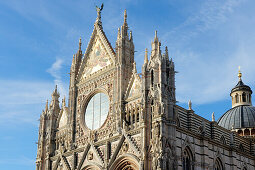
x: 126, y: 162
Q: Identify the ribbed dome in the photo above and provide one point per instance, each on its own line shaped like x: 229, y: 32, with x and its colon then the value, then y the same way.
x: 238, y: 117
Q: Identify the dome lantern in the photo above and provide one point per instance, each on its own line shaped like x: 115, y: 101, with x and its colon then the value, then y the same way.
x: 241, y: 93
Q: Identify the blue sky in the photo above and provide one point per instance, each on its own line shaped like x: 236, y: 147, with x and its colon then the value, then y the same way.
x: 207, y: 39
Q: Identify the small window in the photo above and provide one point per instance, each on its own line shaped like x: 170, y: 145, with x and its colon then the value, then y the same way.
x: 236, y: 98
x: 222, y: 140
x: 244, y: 97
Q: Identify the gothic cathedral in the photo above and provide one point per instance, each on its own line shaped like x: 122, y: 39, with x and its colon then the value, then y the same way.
x: 118, y: 119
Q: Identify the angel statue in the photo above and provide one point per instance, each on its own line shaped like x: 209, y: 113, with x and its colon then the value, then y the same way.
x: 99, y: 12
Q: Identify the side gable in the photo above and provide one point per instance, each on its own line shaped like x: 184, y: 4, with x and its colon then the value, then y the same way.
x: 134, y: 89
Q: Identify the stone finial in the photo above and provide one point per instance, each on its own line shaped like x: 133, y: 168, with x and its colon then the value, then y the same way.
x: 190, y: 105
x: 213, y: 117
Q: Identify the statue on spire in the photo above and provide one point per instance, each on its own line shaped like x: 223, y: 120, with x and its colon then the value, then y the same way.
x: 99, y: 12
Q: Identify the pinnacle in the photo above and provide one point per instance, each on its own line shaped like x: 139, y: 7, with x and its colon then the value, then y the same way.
x: 125, y: 16
x: 146, y: 56
x: 80, y: 44
x: 156, y: 36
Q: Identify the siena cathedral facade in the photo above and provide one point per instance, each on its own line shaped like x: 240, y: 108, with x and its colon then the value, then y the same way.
x: 116, y: 118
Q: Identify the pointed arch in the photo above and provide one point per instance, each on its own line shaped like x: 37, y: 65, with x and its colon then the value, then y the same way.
x: 126, y: 162
x: 223, y: 140
x: 187, y: 159
x: 218, y: 165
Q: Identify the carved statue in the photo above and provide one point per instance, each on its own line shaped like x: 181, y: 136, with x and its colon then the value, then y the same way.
x: 99, y: 11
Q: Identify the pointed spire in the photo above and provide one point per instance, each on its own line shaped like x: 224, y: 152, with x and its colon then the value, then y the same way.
x: 213, y: 117
x: 156, y: 36
x: 125, y: 17
x: 239, y: 73
x: 55, y: 92
x: 166, y: 52
x: 119, y: 33
x: 190, y: 105
x: 55, y: 96
x: 146, y: 56
x: 46, y: 106
x: 80, y: 44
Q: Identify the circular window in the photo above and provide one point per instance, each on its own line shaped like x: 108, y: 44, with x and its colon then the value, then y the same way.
x: 97, y: 111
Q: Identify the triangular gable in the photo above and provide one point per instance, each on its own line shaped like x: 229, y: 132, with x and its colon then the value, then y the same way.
x: 90, y: 156
x: 63, y: 118
x: 134, y: 87
x: 99, y: 54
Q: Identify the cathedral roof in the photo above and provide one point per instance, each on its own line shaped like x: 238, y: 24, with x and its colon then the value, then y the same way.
x: 238, y: 117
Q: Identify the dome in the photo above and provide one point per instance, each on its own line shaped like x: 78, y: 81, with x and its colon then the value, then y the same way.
x: 238, y: 117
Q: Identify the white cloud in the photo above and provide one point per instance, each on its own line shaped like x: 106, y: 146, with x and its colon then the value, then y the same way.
x: 208, y: 76
x: 55, y: 71
x: 24, y: 92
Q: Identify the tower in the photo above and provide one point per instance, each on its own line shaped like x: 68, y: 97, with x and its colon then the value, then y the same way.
x: 159, y: 100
